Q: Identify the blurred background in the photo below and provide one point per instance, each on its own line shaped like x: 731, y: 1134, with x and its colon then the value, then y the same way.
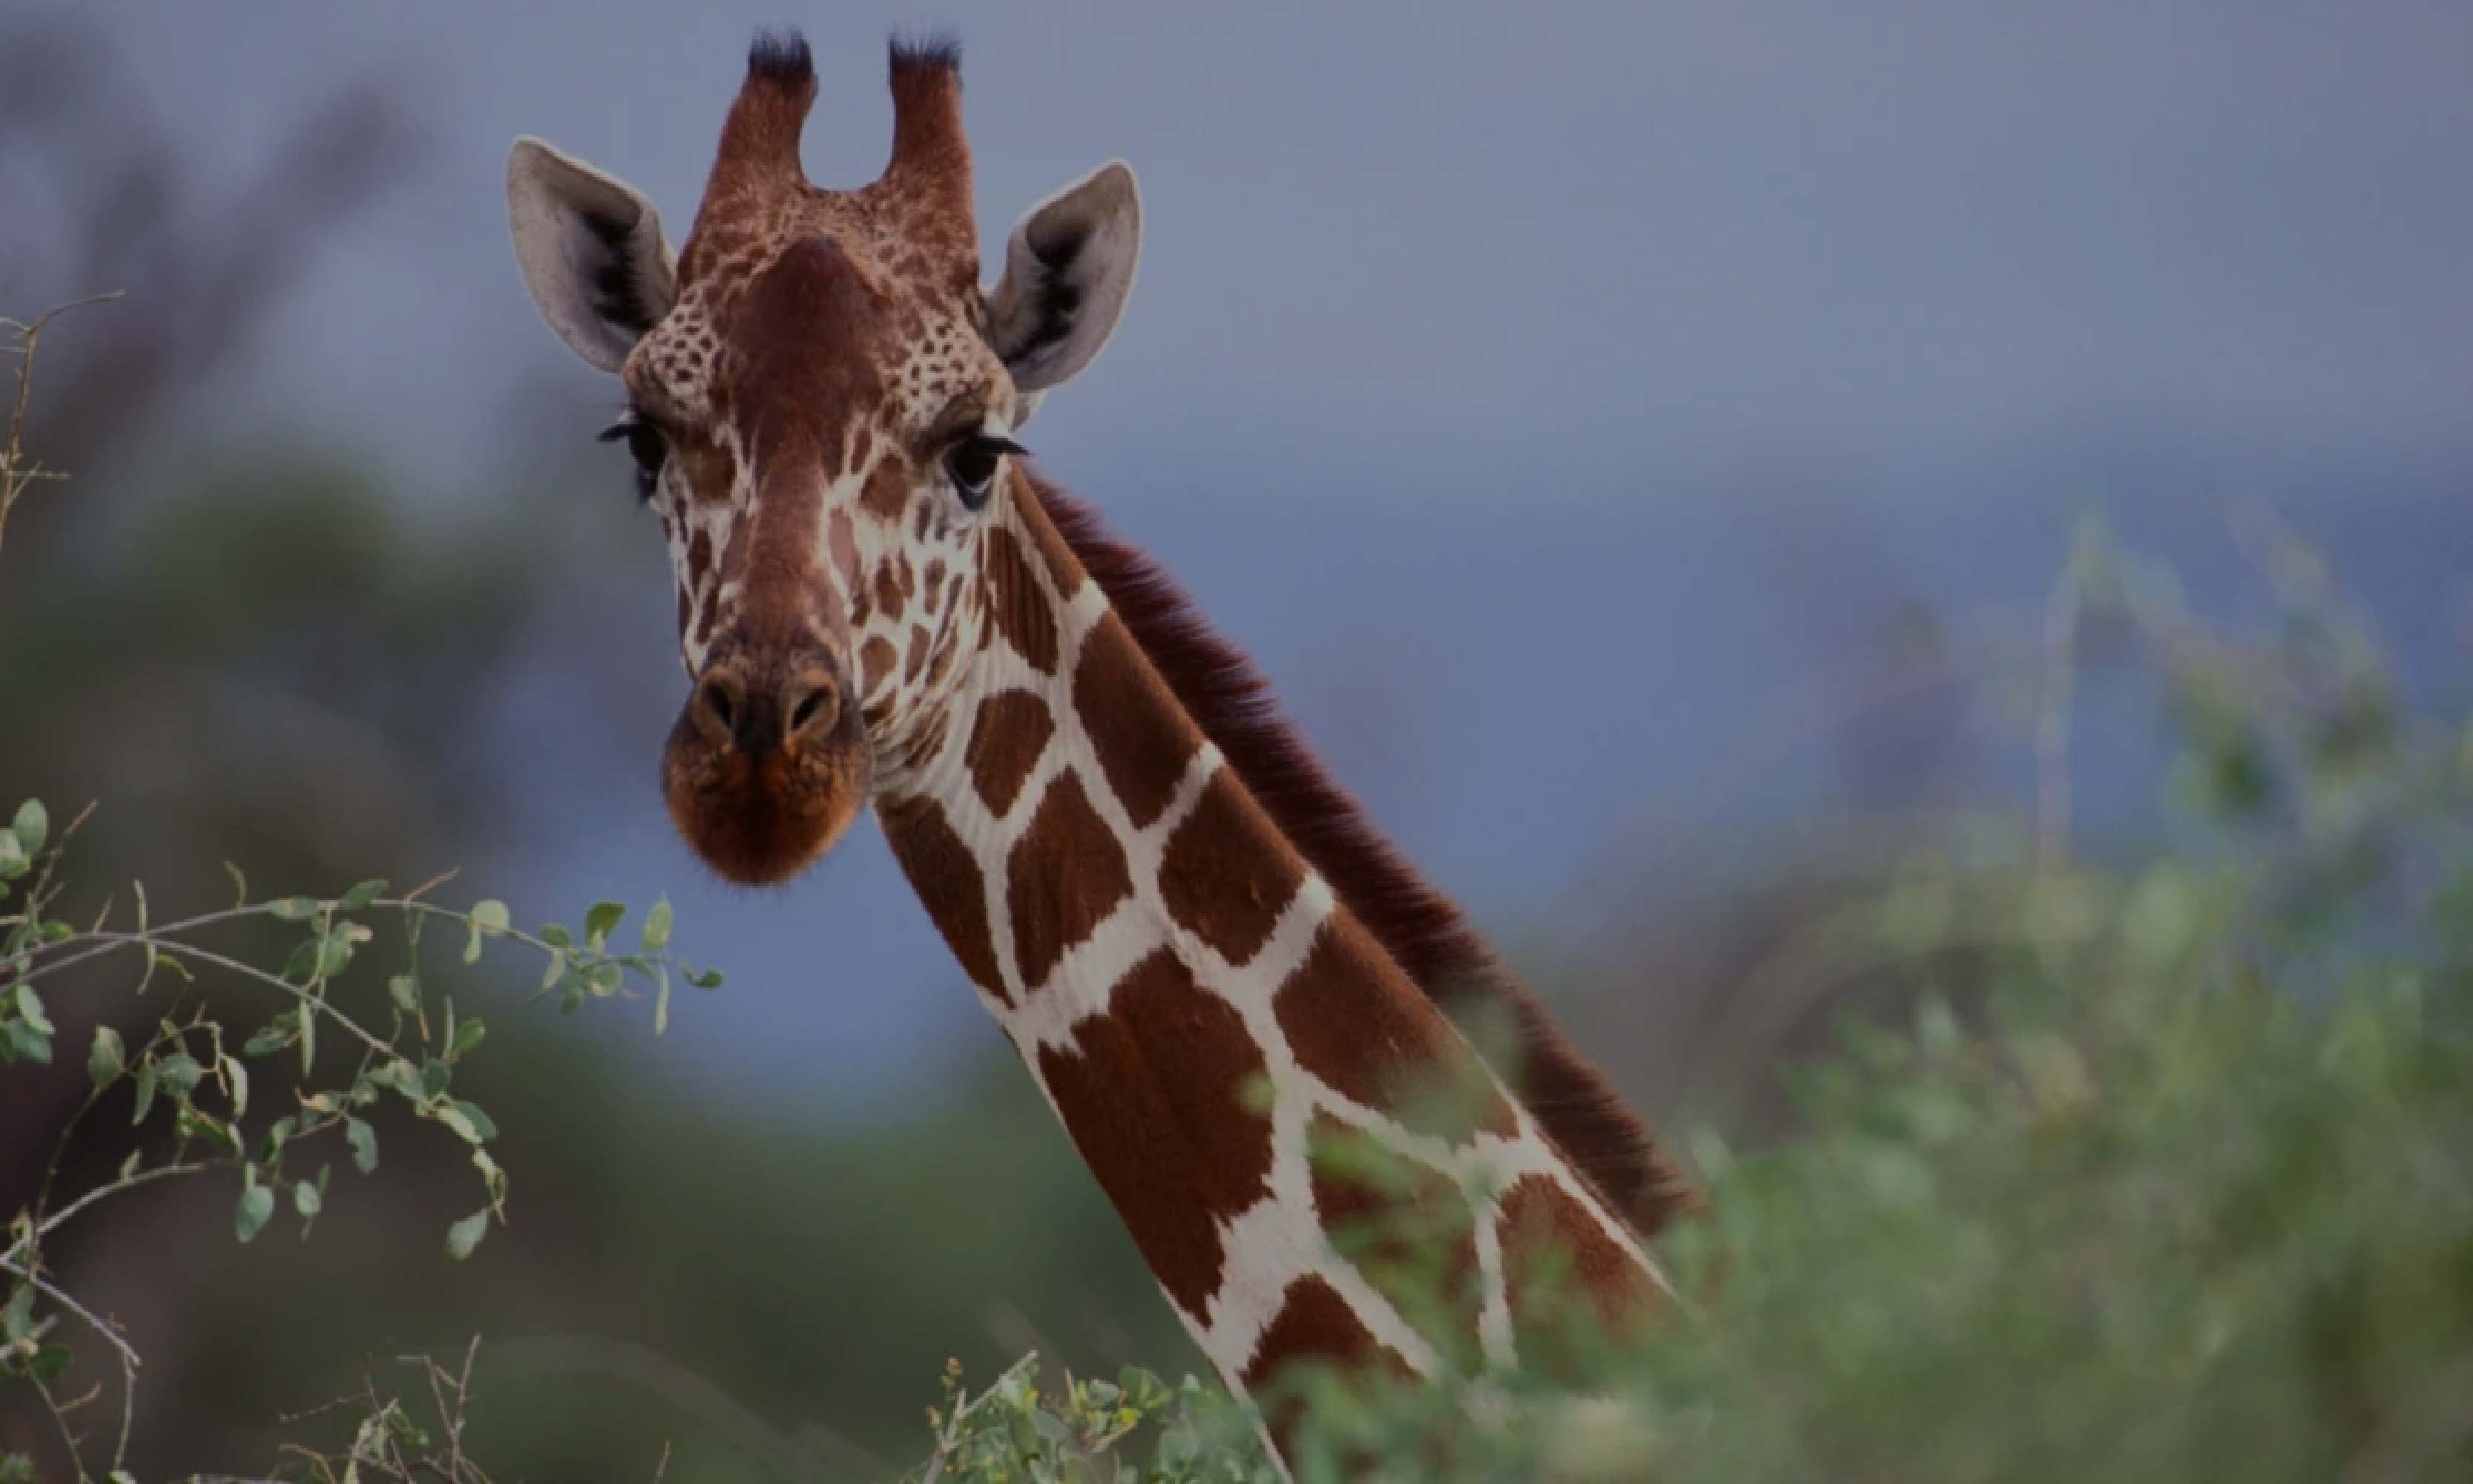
x: 1638, y: 440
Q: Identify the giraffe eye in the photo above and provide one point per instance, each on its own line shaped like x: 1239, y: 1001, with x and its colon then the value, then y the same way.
x: 644, y: 444
x: 971, y: 465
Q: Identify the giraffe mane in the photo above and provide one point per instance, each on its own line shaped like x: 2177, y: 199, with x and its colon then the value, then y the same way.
x: 1421, y: 928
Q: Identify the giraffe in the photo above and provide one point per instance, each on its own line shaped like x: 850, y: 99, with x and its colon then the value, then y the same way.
x: 1208, y: 960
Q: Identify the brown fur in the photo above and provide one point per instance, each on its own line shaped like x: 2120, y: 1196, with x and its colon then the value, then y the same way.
x: 1554, y: 1259
x: 947, y: 880
x: 1054, y: 909
x: 1391, y: 1216
x: 1173, y: 1139
x: 1143, y: 747
x: 1315, y: 1323
x: 1416, y: 924
x: 1217, y: 879
x: 1358, y: 1026
x: 1021, y: 609
x: 1010, y: 732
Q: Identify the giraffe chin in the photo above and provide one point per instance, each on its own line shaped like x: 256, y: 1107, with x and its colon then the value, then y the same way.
x: 759, y: 819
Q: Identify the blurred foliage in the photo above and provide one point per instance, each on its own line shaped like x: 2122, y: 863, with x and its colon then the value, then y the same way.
x: 2177, y: 1184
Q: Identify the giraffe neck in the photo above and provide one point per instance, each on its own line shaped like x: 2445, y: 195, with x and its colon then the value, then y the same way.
x: 1202, y: 1011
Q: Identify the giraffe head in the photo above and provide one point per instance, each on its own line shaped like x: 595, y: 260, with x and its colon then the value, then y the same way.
x: 821, y: 403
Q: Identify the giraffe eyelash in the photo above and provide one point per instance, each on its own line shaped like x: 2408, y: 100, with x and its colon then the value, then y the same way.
x: 644, y: 444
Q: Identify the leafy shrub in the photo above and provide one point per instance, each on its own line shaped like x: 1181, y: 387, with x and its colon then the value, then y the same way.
x: 2165, y: 1172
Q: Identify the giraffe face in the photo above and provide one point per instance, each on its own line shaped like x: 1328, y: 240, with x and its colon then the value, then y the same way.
x: 821, y: 468
x: 821, y: 406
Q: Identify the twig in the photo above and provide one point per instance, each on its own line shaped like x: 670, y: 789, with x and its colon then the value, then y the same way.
x: 53, y: 1291
x: 17, y: 474
x: 53, y: 1222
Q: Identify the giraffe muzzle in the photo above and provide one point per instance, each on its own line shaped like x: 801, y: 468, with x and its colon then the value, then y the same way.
x: 767, y: 764
x: 772, y: 712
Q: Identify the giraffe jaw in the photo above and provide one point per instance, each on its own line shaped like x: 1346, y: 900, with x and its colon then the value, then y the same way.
x: 760, y: 818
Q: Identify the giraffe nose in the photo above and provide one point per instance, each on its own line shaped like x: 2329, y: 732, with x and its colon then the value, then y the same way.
x: 757, y: 714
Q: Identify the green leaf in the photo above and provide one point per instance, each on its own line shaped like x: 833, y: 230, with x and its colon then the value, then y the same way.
x: 306, y: 1198
x: 705, y: 978
x: 402, y: 1076
x: 364, y: 1142
x: 32, y: 826
x: 657, y: 919
x: 405, y: 990
x: 362, y: 896
x: 24, y: 1040
x: 256, y: 1204
x: 487, y: 919
x: 482, y: 1126
x: 468, y: 1035
x: 466, y: 1234
x: 236, y: 1077
x: 129, y: 1166
x: 17, y: 1318
x: 604, y: 979
x: 30, y: 1006
x: 272, y: 1037
x: 147, y: 1077
x: 47, y: 1364
x: 294, y: 909
x: 13, y: 857
x: 108, y: 1058
x: 434, y: 1075
x: 662, y: 999
x: 556, y: 935
x: 180, y: 1072
x: 601, y: 921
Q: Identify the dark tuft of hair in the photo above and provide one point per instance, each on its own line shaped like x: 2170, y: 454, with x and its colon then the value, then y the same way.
x: 1420, y: 927
x: 780, y: 56
x: 928, y: 51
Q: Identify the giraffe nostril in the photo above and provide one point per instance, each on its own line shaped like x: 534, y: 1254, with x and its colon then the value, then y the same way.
x: 810, y: 703
x: 717, y: 707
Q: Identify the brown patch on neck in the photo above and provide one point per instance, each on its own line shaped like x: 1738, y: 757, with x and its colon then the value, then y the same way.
x: 1144, y: 739
x: 1019, y: 606
x: 1417, y: 926
x: 947, y: 880
x: 1225, y: 875
x: 1358, y: 1026
x: 1569, y: 1286
x: 1155, y: 1095
x: 1314, y: 1326
x: 1407, y: 1229
x: 1010, y: 732
x: 1066, y: 874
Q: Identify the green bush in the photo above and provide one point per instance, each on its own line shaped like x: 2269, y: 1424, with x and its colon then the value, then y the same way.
x: 2164, y: 1171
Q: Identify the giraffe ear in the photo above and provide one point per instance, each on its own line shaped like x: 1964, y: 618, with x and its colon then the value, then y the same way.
x: 591, y: 252
x: 1069, y: 266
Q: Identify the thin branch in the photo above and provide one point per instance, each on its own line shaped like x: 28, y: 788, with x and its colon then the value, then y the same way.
x: 54, y: 1292
x: 17, y: 474
x: 54, y: 1222
x: 250, y: 971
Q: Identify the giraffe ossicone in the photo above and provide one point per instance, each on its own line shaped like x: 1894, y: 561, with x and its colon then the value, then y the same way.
x: 1212, y: 964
